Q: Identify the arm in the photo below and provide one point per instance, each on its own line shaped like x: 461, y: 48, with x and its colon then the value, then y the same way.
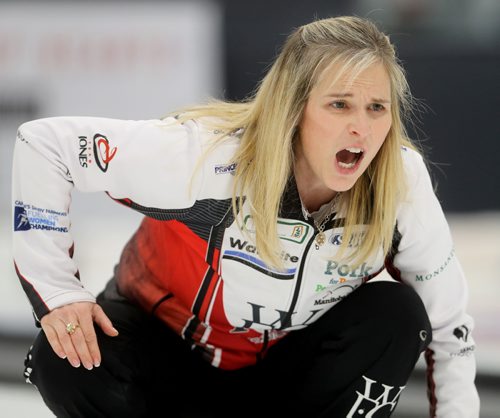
x: 128, y: 159
x: 427, y: 261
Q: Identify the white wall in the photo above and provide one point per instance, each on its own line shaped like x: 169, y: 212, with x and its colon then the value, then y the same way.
x: 131, y: 60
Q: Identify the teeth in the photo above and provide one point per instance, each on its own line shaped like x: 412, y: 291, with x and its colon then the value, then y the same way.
x: 346, y: 165
x: 354, y: 150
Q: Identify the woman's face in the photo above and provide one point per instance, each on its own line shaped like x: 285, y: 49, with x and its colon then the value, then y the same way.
x: 343, y: 126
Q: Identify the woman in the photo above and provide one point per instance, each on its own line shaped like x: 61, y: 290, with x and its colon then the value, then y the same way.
x: 248, y: 277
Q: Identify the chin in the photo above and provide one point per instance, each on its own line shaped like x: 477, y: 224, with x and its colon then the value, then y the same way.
x: 342, y: 185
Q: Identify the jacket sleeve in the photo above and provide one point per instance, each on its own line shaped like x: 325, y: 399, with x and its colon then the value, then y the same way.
x: 149, y: 162
x: 427, y: 261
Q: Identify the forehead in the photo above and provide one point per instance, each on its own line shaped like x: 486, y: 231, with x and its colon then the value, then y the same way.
x: 343, y: 78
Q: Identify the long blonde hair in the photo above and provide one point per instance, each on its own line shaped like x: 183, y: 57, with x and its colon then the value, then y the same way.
x: 270, y: 119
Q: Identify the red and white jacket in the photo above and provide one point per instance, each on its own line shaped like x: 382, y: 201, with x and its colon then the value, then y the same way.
x: 193, y: 266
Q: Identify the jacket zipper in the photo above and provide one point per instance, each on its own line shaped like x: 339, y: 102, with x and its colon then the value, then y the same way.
x: 295, y: 297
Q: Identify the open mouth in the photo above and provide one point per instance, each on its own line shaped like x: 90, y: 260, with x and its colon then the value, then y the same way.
x: 349, y: 157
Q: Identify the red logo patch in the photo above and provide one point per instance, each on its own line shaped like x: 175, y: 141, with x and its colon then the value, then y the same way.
x: 103, y: 153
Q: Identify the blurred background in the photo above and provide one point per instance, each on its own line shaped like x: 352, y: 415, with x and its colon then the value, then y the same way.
x: 139, y: 60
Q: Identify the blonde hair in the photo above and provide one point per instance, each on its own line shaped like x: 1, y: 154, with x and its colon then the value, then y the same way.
x: 270, y: 119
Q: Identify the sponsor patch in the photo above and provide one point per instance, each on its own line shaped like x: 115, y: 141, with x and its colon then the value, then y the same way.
x: 103, y: 153
x: 21, y: 221
x: 84, y: 151
x: 225, y: 168
x: 355, y: 240
x: 462, y: 333
x: 438, y: 271
x: 98, y: 150
x: 245, y: 252
x: 345, y: 270
x: 376, y: 399
x: 287, y: 230
x: 334, y: 295
x: 28, y: 217
x: 464, y: 352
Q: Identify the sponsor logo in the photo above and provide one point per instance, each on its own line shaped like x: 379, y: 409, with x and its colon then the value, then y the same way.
x: 292, y: 231
x: 334, y: 296
x: 225, y: 168
x: 28, y: 370
x: 462, y: 333
x: 85, y: 152
x: 103, y: 153
x: 344, y: 270
x: 99, y: 150
x: 283, y: 321
x: 21, y: 221
x: 28, y: 217
x: 375, y: 398
x: 289, y: 231
x: 354, y: 241
x: 320, y: 287
x: 244, y: 245
x: 298, y: 231
x: 438, y: 271
x: 247, y: 253
x: 464, y: 352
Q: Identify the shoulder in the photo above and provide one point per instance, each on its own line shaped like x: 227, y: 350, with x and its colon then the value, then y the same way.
x: 416, y: 171
x: 413, y: 161
x: 420, y: 206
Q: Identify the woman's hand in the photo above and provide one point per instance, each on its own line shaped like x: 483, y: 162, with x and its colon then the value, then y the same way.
x: 71, y: 334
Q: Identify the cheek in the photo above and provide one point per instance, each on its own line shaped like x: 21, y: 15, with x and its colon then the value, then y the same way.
x: 382, y: 130
x: 310, y: 146
x: 311, y: 134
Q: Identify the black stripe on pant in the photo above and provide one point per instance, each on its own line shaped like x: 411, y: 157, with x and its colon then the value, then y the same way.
x: 354, y: 361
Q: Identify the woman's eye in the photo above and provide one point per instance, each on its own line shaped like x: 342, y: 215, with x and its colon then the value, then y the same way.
x: 377, y: 107
x: 338, y: 104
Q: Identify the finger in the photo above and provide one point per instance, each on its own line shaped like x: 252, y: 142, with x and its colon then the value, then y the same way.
x: 103, y: 321
x: 53, y: 340
x: 80, y: 344
x: 88, y: 331
x: 67, y: 344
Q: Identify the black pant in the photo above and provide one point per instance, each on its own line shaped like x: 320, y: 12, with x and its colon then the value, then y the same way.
x: 355, y: 360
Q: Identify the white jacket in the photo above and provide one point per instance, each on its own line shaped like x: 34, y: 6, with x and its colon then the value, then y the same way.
x: 152, y: 167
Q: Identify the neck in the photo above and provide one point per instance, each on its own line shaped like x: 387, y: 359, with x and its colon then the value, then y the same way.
x: 312, y: 191
x: 314, y: 197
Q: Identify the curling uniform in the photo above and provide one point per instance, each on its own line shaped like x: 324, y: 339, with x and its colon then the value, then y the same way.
x: 193, y: 266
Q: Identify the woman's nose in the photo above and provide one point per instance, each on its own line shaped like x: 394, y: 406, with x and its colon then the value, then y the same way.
x: 359, y: 126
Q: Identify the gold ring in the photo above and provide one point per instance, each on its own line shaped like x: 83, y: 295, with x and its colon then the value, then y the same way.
x: 71, y: 328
